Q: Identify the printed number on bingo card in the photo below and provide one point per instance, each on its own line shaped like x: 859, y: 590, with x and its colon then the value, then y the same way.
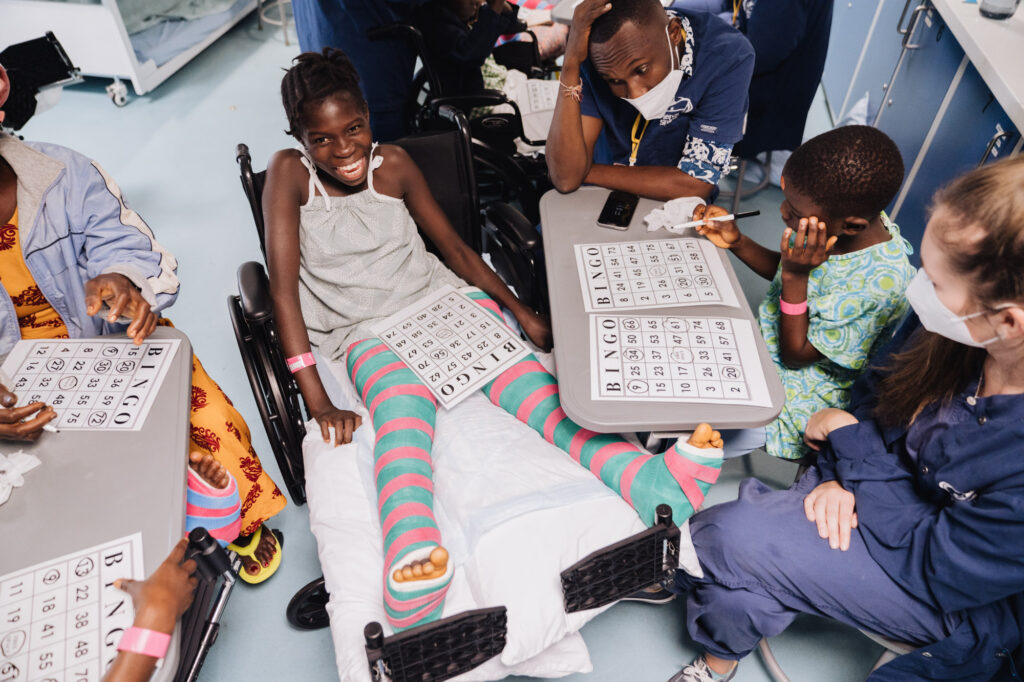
x: 99, y: 384
x: 655, y: 273
x: 62, y: 619
x: 675, y: 359
x: 452, y: 343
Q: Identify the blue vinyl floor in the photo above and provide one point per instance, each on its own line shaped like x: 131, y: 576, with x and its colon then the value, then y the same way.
x: 172, y: 152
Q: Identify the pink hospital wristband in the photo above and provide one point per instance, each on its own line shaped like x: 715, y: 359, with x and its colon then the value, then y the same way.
x: 298, y: 362
x: 792, y: 308
x: 145, y: 642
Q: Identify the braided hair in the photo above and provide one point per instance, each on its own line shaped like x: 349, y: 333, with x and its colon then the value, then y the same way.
x: 313, y: 78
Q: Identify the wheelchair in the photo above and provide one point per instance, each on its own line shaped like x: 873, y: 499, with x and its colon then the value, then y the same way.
x: 498, y: 230
x: 456, y: 644
x: 502, y: 172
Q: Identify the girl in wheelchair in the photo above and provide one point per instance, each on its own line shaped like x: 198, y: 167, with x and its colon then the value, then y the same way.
x: 343, y: 252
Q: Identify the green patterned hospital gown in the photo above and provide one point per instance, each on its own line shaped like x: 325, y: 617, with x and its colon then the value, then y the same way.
x: 853, y: 300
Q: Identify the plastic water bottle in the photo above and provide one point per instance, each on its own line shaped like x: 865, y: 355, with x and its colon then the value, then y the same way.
x: 998, y: 9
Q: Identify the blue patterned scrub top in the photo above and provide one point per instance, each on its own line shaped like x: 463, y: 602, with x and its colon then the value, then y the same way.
x: 853, y: 300
x: 697, y: 133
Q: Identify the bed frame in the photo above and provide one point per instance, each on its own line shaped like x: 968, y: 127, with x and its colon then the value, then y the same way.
x: 95, y: 38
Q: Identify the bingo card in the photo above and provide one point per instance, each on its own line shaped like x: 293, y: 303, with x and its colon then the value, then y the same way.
x: 100, y: 383
x: 676, y: 359
x: 451, y: 343
x: 61, y: 620
x: 653, y: 273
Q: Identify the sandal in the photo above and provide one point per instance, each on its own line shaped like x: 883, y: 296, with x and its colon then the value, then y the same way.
x: 249, y: 550
x: 218, y: 510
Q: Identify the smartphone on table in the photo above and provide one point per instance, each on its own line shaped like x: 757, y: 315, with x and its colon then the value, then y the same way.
x: 618, y: 210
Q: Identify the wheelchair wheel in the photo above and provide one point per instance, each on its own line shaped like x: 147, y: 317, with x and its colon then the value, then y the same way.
x: 307, y: 610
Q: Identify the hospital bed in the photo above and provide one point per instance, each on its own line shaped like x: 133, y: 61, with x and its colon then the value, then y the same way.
x: 540, y: 545
x: 96, y: 37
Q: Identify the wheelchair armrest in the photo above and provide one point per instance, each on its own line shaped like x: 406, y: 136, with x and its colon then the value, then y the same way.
x: 483, y: 98
x: 504, y: 219
x: 254, y: 292
x: 489, y: 98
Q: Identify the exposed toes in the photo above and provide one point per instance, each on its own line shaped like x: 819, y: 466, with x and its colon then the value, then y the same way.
x: 265, y: 550
x: 425, y: 569
x: 704, y: 436
x: 251, y: 567
x: 210, y: 470
x: 439, y: 557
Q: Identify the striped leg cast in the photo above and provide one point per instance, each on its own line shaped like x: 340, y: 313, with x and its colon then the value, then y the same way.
x: 215, y: 509
x: 417, y: 571
x: 679, y: 478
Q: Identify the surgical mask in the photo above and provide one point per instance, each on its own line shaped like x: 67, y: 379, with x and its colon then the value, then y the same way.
x: 937, y: 318
x: 653, y: 104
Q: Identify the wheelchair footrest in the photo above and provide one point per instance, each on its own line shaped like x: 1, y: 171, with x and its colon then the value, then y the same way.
x: 436, y: 651
x: 638, y: 562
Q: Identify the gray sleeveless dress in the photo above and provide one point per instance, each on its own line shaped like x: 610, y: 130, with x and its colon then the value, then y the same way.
x: 361, y: 259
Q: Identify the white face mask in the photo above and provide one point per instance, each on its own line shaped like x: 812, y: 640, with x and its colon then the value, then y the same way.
x: 653, y: 104
x: 937, y: 318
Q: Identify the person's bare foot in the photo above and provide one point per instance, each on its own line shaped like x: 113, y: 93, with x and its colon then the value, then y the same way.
x: 427, y: 569
x: 705, y: 437
x: 210, y: 470
x: 265, y: 550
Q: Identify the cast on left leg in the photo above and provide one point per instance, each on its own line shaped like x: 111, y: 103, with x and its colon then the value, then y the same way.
x: 679, y: 478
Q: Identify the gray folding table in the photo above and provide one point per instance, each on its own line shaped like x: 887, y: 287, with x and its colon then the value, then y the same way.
x: 569, y: 219
x: 95, y: 486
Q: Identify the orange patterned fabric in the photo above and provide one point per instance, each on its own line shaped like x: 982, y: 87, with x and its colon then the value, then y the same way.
x: 36, y: 317
x: 216, y: 426
x: 218, y: 429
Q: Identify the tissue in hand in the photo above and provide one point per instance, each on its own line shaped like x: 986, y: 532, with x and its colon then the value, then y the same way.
x: 672, y: 213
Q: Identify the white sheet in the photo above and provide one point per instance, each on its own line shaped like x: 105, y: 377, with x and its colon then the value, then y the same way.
x: 514, y: 511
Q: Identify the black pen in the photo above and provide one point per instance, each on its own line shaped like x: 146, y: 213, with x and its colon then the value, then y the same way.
x: 716, y: 219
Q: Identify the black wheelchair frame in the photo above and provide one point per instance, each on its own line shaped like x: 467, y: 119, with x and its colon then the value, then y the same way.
x: 503, y: 173
x: 217, y: 573
x: 453, y: 645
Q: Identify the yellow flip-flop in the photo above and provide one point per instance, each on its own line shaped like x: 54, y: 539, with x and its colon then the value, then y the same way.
x: 249, y: 550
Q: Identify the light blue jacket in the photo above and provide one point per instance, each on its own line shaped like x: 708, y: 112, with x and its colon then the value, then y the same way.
x: 74, y: 225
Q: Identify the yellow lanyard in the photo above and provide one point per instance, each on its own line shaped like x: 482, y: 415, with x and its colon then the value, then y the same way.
x: 735, y: 11
x: 636, y: 124
x: 636, y: 140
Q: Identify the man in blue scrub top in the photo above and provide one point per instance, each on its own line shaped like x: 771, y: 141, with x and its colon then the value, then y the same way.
x: 669, y: 92
x: 385, y: 67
